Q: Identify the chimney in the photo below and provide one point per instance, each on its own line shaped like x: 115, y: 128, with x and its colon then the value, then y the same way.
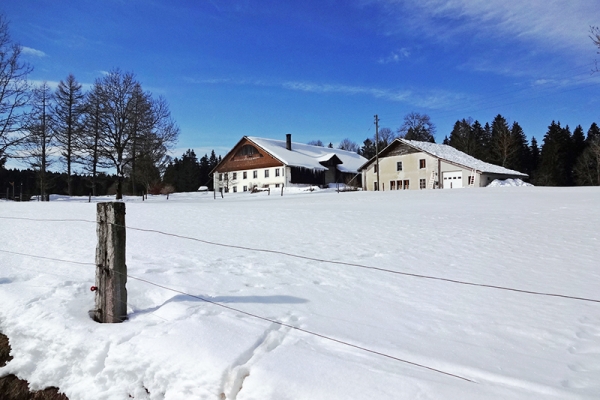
x: 288, y: 141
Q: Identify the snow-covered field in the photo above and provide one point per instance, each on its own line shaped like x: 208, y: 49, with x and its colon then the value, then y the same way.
x: 506, y: 345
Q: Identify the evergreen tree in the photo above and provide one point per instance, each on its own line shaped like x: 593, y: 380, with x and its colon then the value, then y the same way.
x: 587, y: 165
x: 534, y: 159
x: 184, y: 173
x: 486, y: 141
x: 463, y: 137
x: 518, y: 160
x: 593, y: 133
x: 205, y: 169
x: 368, y: 149
x: 446, y: 141
x: 503, y: 144
x: 555, y: 160
x: 578, y: 141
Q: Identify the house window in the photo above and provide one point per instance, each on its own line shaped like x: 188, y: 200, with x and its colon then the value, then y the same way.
x: 266, y: 173
x: 399, y: 185
x: 422, y: 184
x: 220, y: 177
x: 234, y: 176
x: 406, y: 182
x: 392, y: 185
x: 422, y: 163
x: 245, y: 188
x: 247, y: 151
x: 375, y: 168
x: 235, y: 189
x: 245, y: 175
x: 277, y: 185
x: 255, y: 174
x: 375, y: 186
x: 399, y: 166
x: 276, y: 171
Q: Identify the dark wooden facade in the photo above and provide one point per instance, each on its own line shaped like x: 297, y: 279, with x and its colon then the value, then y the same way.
x: 238, y: 159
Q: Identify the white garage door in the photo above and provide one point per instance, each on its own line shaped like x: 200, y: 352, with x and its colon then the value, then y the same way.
x: 452, y: 180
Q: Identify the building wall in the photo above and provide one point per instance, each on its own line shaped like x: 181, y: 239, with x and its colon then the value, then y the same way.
x: 227, y: 182
x: 412, y: 171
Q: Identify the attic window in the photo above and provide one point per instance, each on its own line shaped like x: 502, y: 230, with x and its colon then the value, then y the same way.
x: 247, y: 151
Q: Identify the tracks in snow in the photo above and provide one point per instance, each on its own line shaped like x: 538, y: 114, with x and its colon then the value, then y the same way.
x: 586, y: 369
x: 234, y: 376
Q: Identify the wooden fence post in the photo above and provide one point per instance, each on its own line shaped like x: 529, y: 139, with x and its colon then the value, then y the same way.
x: 282, y: 189
x: 111, y: 271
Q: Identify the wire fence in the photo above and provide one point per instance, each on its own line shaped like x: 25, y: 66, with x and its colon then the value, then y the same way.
x: 297, y: 256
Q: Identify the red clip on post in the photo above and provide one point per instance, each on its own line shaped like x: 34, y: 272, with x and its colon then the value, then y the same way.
x: 93, y: 288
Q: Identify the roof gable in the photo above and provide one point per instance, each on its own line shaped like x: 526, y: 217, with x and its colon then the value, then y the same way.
x: 247, y: 155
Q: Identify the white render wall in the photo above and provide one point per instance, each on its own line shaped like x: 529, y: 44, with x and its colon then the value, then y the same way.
x: 412, y: 172
x: 260, y: 181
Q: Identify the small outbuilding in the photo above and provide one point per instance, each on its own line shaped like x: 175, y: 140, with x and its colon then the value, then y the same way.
x: 409, y: 164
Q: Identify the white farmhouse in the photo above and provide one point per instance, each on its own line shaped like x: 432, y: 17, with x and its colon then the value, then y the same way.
x: 408, y: 164
x: 256, y: 163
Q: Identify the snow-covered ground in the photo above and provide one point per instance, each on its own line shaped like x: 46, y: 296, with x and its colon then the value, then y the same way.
x: 507, y: 345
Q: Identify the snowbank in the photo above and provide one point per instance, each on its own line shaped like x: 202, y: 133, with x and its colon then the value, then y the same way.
x: 508, y: 182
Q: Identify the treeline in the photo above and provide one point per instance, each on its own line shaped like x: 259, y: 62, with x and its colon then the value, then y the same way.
x: 187, y: 174
x: 565, y: 158
x: 23, y: 184
x: 116, y: 125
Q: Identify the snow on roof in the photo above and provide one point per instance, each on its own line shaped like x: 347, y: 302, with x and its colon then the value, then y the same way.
x: 453, y: 155
x: 307, y: 156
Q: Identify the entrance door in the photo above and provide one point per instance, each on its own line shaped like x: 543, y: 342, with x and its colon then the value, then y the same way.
x: 452, y: 180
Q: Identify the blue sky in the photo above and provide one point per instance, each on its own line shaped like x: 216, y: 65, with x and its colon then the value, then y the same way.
x: 321, y: 69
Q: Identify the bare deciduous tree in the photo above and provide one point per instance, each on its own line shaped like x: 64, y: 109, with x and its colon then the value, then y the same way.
x: 37, y: 144
x: 68, y: 112
x: 90, y: 140
x: 348, y: 145
x: 595, y: 36
x: 417, y: 126
x: 14, y: 91
x: 132, y: 124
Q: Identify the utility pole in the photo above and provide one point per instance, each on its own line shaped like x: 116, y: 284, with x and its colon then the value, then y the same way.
x: 377, y: 149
